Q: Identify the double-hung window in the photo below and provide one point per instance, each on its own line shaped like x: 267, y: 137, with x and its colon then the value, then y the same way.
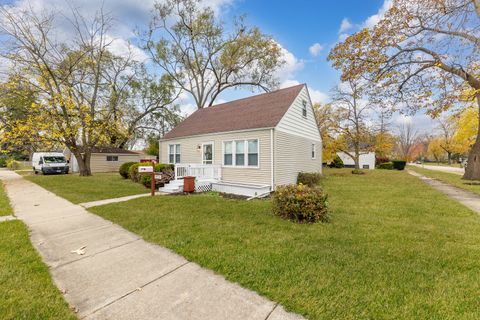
x: 173, y: 153
x: 240, y: 153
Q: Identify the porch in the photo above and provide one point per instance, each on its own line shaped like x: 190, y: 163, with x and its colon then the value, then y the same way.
x: 208, y: 177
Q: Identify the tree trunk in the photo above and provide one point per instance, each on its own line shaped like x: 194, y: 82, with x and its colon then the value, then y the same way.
x: 449, y: 156
x: 83, y: 163
x: 472, y: 171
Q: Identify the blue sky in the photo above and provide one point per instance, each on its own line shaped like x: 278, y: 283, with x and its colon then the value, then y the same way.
x: 306, y: 30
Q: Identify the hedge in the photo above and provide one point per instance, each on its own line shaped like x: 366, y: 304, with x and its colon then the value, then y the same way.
x: 385, y: 165
x: 123, y: 170
x: 310, y: 179
x: 399, y: 164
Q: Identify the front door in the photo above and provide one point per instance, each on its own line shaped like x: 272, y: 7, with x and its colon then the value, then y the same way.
x: 207, y: 153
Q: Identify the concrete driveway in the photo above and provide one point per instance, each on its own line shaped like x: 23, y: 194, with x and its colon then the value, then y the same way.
x: 106, y: 272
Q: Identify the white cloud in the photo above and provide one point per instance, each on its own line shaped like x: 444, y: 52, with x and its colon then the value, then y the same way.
x: 374, y: 19
x: 291, y: 66
x: 345, y: 25
x: 315, y: 49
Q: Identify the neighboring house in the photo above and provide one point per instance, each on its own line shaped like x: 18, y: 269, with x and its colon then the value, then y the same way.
x: 248, y: 146
x: 366, y: 160
x: 105, y: 159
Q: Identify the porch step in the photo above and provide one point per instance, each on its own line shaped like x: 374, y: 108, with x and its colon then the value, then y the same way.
x: 172, y: 187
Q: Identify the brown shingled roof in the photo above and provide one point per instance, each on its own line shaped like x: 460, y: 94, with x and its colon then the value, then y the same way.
x: 260, y: 111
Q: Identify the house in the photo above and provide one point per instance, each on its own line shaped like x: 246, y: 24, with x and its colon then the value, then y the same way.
x: 248, y: 146
x: 366, y: 160
x: 105, y: 159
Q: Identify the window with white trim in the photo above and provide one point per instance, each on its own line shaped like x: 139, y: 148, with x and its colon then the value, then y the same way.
x: 314, y: 151
x: 240, y: 153
x: 207, y: 152
x: 304, y: 108
x: 173, y: 153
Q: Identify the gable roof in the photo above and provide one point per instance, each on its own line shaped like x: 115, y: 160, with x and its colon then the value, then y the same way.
x: 260, y: 111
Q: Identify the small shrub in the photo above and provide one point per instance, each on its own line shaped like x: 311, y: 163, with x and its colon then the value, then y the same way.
x: 123, y: 170
x: 13, y: 164
x: 399, y: 164
x: 358, y: 171
x: 146, y: 180
x: 3, y: 161
x: 310, y: 179
x: 133, y: 170
x: 162, y: 167
x: 337, y: 162
x: 385, y: 165
x: 300, y: 203
x: 380, y: 160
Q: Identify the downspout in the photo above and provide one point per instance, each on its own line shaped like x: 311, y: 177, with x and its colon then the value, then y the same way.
x: 272, y: 159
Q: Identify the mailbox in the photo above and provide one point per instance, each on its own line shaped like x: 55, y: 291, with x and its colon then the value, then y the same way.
x: 145, y: 169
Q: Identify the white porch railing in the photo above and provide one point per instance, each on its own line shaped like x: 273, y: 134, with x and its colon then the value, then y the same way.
x: 200, y: 171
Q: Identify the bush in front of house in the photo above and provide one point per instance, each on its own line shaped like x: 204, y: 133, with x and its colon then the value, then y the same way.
x: 123, y: 170
x: 133, y: 170
x: 385, y: 165
x: 399, y: 164
x: 146, y: 180
x: 310, y: 179
x: 300, y: 203
x: 162, y: 167
x: 337, y: 162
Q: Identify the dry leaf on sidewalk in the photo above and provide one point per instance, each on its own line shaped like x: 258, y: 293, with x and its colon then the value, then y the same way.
x: 79, y: 251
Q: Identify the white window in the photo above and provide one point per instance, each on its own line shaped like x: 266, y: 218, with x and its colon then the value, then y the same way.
x: 253, y: 153
x: 207, y: 151
x: 228, y: 153
x: 304, y: 108
x: 173, y: 153
x: 314, y: 151
x: 240, y: 153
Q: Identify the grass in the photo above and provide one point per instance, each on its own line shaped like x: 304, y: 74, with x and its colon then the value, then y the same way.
x: 450, y: 178
x: 85, y: 189
x: 26, y: 289
x: 5, y: 209
x: 395, y: 248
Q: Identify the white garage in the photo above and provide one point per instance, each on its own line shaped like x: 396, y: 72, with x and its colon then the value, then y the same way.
x: 367, y: 160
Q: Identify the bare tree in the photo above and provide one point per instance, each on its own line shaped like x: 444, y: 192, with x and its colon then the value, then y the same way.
x: 407, y: 137
x: 355, y: 137
x: 447, y: 133
x: 197, y: 52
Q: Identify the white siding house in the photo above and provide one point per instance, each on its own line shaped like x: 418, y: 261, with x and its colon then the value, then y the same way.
x: 366, y: 160
x: 248, y: 146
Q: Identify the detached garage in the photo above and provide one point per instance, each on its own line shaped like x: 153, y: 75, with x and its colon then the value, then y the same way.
x: 105, y: 159
x: 366, y: 160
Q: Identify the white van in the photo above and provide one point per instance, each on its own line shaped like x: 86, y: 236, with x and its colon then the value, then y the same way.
x: 49, y: 162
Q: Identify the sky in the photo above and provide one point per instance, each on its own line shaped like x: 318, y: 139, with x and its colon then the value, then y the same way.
x: 306, y: 30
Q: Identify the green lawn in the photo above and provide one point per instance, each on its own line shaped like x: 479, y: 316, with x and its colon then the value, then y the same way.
x: 451, y: 178
x: 26, y: 289
x: 84, y: 189
x: 394, y: 249
x: 5, y: 209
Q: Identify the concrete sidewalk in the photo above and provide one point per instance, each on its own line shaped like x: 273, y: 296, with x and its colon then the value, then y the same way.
x: 459, y: 171
x: 468, y: 199
x: 120, y: 276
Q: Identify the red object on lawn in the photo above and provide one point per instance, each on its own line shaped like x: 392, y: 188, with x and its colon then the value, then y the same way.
x: 188, y: 184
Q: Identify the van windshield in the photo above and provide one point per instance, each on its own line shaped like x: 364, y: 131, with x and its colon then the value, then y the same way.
x: 54, y: 159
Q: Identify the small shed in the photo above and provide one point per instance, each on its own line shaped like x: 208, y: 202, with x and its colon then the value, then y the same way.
x: 105, y: 159
x: 366, y: 160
